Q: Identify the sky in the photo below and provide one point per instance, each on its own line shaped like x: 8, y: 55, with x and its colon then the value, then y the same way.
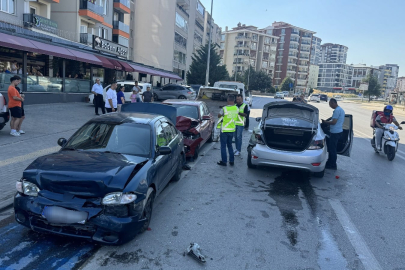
x: 373, y: 30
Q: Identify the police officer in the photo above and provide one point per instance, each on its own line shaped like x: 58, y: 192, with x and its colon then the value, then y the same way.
x: 226, y: 123
x: 240, y: 122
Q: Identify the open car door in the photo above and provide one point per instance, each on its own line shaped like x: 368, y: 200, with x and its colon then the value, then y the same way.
x: 153, y: 108
x: 345, y: 142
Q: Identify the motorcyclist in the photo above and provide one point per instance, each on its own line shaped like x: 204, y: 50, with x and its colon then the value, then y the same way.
x: 387, y: 118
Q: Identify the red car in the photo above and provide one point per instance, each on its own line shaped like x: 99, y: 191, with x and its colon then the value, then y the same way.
x: 196, y: 123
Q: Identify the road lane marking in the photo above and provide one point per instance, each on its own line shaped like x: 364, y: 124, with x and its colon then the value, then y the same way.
x: 32, y: 155
x: 357, y: 241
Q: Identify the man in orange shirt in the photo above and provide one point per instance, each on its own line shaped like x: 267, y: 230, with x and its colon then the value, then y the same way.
x: 14, y: 105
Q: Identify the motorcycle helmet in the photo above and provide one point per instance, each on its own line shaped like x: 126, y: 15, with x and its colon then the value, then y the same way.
x: 388, y: 110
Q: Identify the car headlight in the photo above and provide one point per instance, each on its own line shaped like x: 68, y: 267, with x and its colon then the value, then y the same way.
x: 27, y: 188
x: 116, y: 198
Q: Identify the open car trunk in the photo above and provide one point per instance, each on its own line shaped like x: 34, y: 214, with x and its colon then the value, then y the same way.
x: 289, y: 126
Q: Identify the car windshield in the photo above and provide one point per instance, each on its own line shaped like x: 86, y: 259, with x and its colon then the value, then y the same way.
x: 187, y: 110
x: 228, y: 86
x: 127, y: 138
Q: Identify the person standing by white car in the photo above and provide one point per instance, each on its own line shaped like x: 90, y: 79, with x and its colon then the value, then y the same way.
x: 111, y: 100
x: 138, y: 92
x: 97, y: 90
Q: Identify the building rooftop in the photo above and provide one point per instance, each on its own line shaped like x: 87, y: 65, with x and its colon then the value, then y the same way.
x: 279, y: 25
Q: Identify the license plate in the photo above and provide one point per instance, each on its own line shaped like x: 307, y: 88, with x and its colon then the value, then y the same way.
x: 60, y: 215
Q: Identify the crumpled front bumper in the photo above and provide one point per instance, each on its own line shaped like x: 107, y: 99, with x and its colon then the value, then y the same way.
x: 99, y: 227
x: 191, y: 146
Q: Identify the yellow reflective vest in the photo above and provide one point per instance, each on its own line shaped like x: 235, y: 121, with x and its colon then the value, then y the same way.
x: 227, y: 122
x: 240, y: 121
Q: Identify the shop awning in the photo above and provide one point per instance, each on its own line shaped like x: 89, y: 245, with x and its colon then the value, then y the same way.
x: 116, y: 64
x: 86, y: 57
x: 144, y: 70
x: 105, y: 62
x: 126, y: 66
x: 29, y: 45
x: 17, y: 43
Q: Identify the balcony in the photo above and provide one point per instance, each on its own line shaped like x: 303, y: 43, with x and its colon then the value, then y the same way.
x: 243, y: 37
x: 305, y: 50
x: 86, y: 38
x: 291, y: 64
x: 241, y: 46
x: 304, y: 57
x: 294, y: 41
x: 292, y: 56
x: 123, y: 5
x: 199, y: 26
x: 91, y: 11
x: 184, y: 3
x: 183, y: 10
x: 293, y: 33
x: 120, y: 27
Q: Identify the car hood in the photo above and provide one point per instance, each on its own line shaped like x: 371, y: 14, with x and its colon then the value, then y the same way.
x: 83, y: 173
x: 184, y: 123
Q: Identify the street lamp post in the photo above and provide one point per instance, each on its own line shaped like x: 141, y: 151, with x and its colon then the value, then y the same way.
x: 207, y: 74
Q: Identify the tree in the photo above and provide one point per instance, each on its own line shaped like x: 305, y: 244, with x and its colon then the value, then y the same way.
x: 285, y: 84
x: 198, y: 67
x: 374, y: 88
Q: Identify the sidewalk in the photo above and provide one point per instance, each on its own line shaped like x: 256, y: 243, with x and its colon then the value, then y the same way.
x: 44, y: 125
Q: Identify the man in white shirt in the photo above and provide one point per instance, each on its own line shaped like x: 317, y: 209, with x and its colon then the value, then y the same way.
x: 138, y: 92
x: 97, y: 90
x: 111, y: 100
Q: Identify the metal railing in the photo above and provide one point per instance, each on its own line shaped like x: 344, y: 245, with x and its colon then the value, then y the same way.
x: 85, y: 4
x: 121, y: 26
x: 126, y: 3
x: 183, y: 10
x: 86, y: 38
x: 199, y: 25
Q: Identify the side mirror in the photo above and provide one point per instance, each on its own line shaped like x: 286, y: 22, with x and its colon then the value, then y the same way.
x: 258, y: 119
x: 206, y: 117
x: 164, y: 150
x: 403, y: 123
x: 62, y: 142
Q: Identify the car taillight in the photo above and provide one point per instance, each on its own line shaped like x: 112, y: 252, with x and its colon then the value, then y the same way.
x: 189, y: 92
x: 259, y: 139
x: 315, y: 145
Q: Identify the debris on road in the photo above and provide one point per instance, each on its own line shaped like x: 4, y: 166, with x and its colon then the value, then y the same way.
x: 194, y: 251
x: 148, y: 229
x: 186, y: 167
x: 337, y: 177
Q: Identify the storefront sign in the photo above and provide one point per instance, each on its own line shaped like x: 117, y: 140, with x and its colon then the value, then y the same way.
x: 44, y: 23
x: 109, y: 47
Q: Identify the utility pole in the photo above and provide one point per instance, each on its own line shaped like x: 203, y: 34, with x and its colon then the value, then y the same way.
x: 207, y: 74
x: 248, y: 77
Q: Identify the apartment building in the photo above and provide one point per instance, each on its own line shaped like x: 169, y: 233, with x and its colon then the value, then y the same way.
x: 245, y: 46
x: 293, y: 54
x: 335, y: 77
x: 400, y: 85
x: 388, y: 78
x: 313, y: 76
x: 316, y: 51
x: 333, y: 53
x: 361, y: 71
x: 63, y: 46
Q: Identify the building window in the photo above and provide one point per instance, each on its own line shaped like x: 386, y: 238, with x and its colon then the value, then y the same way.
x: 223, y: 37
x: 33, y: 10
x: 198, y: 37
x: 7, y: 6
x: 222, y: 46
x: 121, y: 40
x: 181, y: 22
x: 180, y: 57
x: 200, y: 8
x: 283, y: 31
x: 252, y: 62
x: 104, y: 4
x: 83, y: 28
x: 180, y: 40
x: 103, y: 33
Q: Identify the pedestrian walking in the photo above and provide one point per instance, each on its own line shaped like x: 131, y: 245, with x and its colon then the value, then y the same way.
x: 133, y: 96
x: 97, y: 90
x: 138, y: 91
x: 336, y: 131
x: 19, y: 130
x: 120, y: 98
x: 111, y: 100
x: 14, y: 105
x: 147, y: 96
x: 240, y: 123
x: 228, y: 116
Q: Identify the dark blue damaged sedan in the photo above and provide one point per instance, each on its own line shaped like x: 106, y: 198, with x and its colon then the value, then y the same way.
x: 102, y: 184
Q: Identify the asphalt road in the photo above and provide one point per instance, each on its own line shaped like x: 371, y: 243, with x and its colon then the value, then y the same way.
x: 263, y: 218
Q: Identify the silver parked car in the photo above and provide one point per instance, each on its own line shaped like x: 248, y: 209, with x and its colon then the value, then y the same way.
x: 289, y: 135
x: 174, y: 91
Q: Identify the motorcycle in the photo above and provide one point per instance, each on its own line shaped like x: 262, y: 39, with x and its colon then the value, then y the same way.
x: 389, y: 140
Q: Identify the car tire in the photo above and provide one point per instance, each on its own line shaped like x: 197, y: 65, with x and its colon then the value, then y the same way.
x: 155, y: 97
x: 249, y: 161
x: 182, y: 97
x: 319, y: 174
x: 148, y: 209
x: 211, y: 139
x: 177, y: 174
